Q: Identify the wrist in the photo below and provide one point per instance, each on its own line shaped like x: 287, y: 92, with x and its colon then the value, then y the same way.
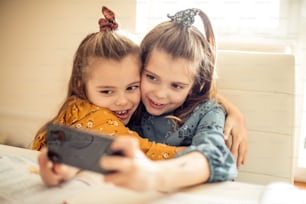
x: 161, y: 178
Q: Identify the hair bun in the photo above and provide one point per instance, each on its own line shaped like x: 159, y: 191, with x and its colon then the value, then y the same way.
x: 109, y: 22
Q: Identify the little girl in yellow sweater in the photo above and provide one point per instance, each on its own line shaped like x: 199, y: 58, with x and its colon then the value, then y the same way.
x: 104, y: 88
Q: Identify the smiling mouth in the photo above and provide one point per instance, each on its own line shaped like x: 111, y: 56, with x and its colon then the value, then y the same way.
x: 122, y: 114
x: 156, y: 105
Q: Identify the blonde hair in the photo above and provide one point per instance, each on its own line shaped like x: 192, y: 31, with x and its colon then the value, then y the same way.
x: 106, y: 45
x: 189, y: 43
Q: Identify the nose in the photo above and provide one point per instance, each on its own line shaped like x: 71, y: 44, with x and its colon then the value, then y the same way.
x: 122, y: 100
x: 161, y: 92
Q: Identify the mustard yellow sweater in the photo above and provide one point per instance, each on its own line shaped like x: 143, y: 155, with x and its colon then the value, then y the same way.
x: 79, y: 113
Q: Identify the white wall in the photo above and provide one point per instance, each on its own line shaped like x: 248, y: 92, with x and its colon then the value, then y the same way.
x: 38, y: 39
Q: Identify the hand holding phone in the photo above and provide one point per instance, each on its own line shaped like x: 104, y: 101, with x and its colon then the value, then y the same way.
x: 79, y: 148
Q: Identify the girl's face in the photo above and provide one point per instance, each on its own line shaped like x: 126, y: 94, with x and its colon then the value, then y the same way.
x: 165, y: 83
x: 114, y: 85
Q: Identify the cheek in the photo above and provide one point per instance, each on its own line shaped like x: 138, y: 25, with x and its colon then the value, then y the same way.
x: 133, y: 97
x: 179, y: 97
x: 136, y: 97
x: 145, y: 87
x: 102, y: 102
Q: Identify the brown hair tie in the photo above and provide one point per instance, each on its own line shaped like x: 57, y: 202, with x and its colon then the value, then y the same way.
x: 109, y: 22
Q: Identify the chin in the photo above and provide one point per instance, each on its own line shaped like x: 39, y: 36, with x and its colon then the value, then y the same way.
x: 126, y: 121
x: 155, y: 112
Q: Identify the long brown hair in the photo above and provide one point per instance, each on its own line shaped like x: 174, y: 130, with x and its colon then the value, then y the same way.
x: 188, y: 42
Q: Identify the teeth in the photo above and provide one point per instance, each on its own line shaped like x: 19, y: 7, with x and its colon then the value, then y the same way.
x: 159, y: 104
x: 121, y: 112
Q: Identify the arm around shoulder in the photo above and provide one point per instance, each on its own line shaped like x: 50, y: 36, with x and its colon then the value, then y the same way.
x: 235, y: 126
x: 208, y: 140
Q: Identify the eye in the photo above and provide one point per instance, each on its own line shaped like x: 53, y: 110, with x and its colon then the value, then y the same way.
x: 177, y: 86
x: 132, y: 88
x: 151, y: 77
x: 106, y: 92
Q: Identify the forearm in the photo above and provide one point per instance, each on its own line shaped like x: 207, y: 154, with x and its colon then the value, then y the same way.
x: 187, y: 170
x: 136, y: 171
x: 209, y: 140
x: 231, y: 109
x: 235, y: 125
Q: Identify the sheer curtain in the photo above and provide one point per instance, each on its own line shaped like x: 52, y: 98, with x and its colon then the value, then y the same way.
x: 278, y: 25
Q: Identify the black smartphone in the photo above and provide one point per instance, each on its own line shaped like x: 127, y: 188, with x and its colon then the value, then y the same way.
x: 79, y: 148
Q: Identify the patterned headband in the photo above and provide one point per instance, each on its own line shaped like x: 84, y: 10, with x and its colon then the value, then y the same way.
x: 185, y: 17
x: 109, y: 22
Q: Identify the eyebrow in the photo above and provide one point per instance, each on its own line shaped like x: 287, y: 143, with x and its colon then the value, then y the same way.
x: 110, y: 87
x: 105, y: 87
x: 134, y: 83
x: 180, y: 83
x: 174, y: 82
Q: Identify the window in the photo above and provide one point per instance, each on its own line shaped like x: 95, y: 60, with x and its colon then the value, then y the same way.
x: 230, y: 18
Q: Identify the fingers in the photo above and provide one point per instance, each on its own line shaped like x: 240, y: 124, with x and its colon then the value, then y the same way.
x: 235, y: 135
x: 129, y: 167
x: 44, y: 163
x: 235, y: 145
x: 239, y: 148
x: 228, y: 143
x: 66, y: 172
x: 46, y: 170
x: 240, y: 161
x: 242, y: 154
x: 53, y: 174
x: 127, y: 145
x: 116, y: 163
x: 130, y: 149
x: 42, y: 158
x: 228, y: 126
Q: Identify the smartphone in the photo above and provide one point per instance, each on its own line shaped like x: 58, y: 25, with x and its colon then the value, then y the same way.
x: 79, y: 148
